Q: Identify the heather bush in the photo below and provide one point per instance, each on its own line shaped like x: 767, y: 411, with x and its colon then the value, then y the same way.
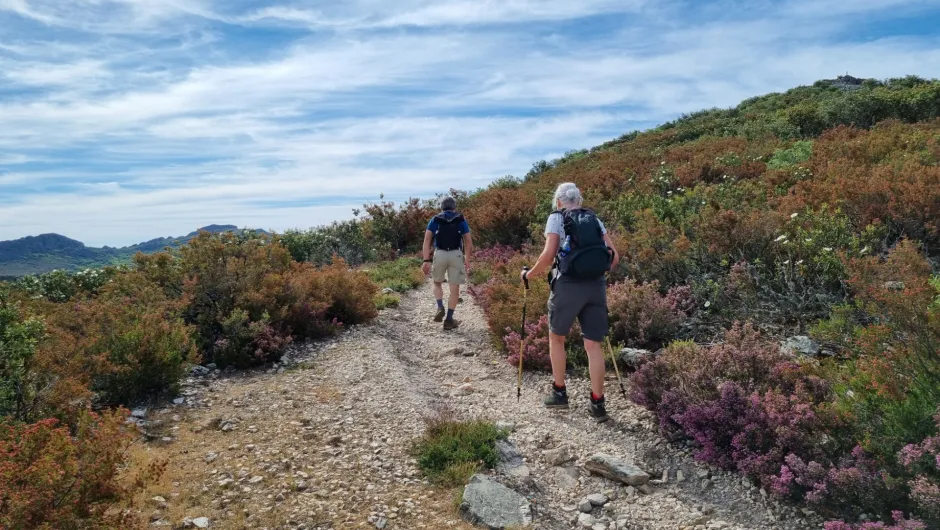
x: 922, y: 462
x: 162, y: 269
x: 746, y: 405
x: 501, y: 298
x: 655, y: 251
x: 52, y: 478
x: 535, y: 356
x: 900, y: 523
x: 641, y: 317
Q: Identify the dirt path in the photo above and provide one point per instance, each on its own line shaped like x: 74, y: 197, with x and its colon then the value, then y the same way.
x: 323, y: 441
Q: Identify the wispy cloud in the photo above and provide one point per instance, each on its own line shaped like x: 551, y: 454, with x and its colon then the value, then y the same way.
x: 130, y: 119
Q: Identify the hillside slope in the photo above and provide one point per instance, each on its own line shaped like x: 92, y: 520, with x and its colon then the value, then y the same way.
x: 47, y: 252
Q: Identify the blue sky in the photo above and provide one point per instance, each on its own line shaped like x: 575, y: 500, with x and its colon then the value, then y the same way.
x: 125, y: 120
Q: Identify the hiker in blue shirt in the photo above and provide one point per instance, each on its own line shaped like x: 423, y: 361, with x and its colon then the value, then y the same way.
x: 449, y: 234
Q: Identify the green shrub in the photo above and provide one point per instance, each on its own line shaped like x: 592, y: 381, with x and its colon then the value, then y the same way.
x: 62, y: 286
x: 386, y: 300
x: 345, y: 239
x: 401, y: 275
x: 20, y: 335
x: 451, y: 451
x: 796, y: 154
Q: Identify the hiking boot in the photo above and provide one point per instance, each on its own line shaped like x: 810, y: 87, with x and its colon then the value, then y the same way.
x: 598, y: 410
x: 557, y: 399
x: 450, y: 324
x: 439, y: 317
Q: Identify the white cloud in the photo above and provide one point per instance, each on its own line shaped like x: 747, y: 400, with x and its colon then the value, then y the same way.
x: 132, y: 119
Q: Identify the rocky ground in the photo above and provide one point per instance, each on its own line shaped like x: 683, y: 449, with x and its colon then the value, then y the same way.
x: 322, y: 441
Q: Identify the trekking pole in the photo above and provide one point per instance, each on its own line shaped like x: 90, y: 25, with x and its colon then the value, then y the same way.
x: 616, y: 368
x: 525, y: 301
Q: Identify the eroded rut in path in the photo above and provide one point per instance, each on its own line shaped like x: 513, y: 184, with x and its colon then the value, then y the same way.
x: 324, y: 441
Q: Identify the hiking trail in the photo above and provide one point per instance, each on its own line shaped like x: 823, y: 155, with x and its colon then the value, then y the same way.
x: 323, y: 441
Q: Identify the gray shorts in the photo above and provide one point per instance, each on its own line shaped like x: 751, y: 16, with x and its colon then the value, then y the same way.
x: 582, y: 300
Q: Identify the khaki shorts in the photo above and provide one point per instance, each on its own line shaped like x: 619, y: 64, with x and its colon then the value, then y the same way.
x: 451, y: 263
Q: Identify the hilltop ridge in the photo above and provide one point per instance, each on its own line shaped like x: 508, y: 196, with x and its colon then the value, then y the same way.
x: 46, y: 252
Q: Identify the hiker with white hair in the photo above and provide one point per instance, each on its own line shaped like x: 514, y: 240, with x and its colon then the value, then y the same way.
x: 449, y: 235
x: 580, y: 253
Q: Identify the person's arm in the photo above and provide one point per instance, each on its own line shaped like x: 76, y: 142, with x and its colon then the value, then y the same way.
x: 552, y: 242
x: 610, y: 245
x: 467, y: 247
x: 426, y: 252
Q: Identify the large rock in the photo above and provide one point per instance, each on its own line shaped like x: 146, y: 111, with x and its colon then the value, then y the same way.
x: 634, y: 357
x: 567, y: 478
x: 800, y: 345
x: 615, y: 469
x: 558, y: 456
x: 490, y: 504
x: 509, y: 455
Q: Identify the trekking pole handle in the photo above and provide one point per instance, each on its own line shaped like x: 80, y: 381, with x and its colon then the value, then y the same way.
x: 525, y: 279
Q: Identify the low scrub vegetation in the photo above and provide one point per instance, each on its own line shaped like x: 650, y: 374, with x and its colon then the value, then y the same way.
x: 807, y: 213
x: 816, y: 211
x: 452, y: 449
x: 73, y: 343
x: 400, y: 275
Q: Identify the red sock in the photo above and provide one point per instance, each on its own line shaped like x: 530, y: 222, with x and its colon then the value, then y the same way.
x: 595, y: 397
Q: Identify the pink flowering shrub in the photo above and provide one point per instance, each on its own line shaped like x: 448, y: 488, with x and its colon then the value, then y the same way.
x: 682, y: 300
x: 750, y: 409
x: 535, y: 355
x: 923, y: 460
x: 641, y: 317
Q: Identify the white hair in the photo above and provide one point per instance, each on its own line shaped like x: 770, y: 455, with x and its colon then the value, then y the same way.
x: 569, y: 195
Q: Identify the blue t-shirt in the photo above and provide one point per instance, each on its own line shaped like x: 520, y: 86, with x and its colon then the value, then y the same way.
x: 432, y: 226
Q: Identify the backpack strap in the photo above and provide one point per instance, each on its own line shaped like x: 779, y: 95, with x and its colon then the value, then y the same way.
x: 443, y: 218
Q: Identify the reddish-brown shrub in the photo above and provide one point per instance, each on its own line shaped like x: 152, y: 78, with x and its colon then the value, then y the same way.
x: 126, y: 344
x: 52, y: 479
x: 501, y: 215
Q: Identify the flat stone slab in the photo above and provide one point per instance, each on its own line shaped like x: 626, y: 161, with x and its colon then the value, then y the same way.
x: 489, y: 504
x: 509, y: 455
x: 616, y: 469
x: 800, y: 345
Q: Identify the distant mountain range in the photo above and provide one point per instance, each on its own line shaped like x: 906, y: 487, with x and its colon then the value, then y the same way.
x: 48, y: 252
